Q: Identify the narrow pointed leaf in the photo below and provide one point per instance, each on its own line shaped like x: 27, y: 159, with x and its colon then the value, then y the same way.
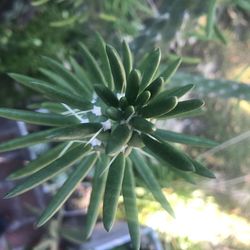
x: 112, y: 191
x: 188, y: 177
x: 117, y: 68
x: 202, y: 170
x: 184, y: 107
x: 150, y: 180
x: 62, y: 96
x: 185, y: 139
x: 114, y: 113
x: 67, y: 189
x: 82, y: 76
x: 55, y: 78
x: 101, y: 48
x: 98, y: 187
x: 107, y: 96
x: 118, y: 139
x: 192, y: 113
x: 54, y: 92
x: 219, y: 34
x: 39, y: 163
x: 177, y: 91
x: 155, y: 87
x: 37, y: 118
x: 53, y: 107
x: 127, y: 58
x: 158, y: 107
x: 74, y: 132
x: 132, y: 88
x: 143, y: 98
x: 151, y: 66
x: 210, y: 17
x: 56, y: 167
x: 129, y: 196
x: 71, y: 79
x: 92, y: 65
x: 142, y: 124
x: 168, y: 153
x: 171, y: 69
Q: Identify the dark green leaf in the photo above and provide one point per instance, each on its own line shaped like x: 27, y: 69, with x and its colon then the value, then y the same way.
x: 150, y: 180
x: 112, y: 191
x: 37, y: 118
x: 98, y: 187
x: 168, y: 153
x: 56, y: 167
x: 67, y: 189
x: 185, y: 139
x: 117, y: 68
x: 129, y: 196
x: 92, y: 66
x: 151, y: 65
x: 39, y: 163
x: 171, y: 69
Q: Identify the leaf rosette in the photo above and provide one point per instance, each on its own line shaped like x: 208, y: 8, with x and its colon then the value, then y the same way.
x: 103, y: 115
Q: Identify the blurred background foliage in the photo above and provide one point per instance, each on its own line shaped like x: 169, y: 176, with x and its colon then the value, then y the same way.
x: 213, y: 39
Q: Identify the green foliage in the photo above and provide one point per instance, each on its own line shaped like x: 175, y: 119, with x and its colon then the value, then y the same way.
x: 107, y: 123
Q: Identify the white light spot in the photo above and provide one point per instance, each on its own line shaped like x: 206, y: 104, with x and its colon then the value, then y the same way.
x: 96, y: 110
x: 95, y: 142
x: 106, y: 125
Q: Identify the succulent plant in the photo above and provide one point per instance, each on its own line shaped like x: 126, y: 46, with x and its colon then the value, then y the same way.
x: 104, y: 116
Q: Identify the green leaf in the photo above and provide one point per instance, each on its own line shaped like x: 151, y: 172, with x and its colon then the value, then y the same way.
x: 219, y: 88
x: 53, y: 92
x: 132, y: 88
x: 39, y: 163
x: 114, y: 113
x: 171, y: 69
x: 192, y: 113
x: 202, y: 170
x: 53, y: 107
x: 184, y: 175
x: 129, y: 196
x: 117, y: 68
x: 107, y: 96
x: 57, y: 79
x: 184, y: 107
x: 168, y: 153
x: 185, y: 139
x: 101, y: 48
x: 177, y: 91
x: 71, y: 79
x: 92, y: 65
x: 210, y: 17
x: 143, y: 98
x: 127, y: 58
x: 218, y: 33
x: 67, y: 189
x: 74, y: 132
x: 150, y: 180
x: 158, y: 107
x: 151, y: 66
x: 112, y: 191
x: 62, y: 96
x: 155, y: 87
x: 37, y: 118
x: 82, y: 76
x: 142, y: 124
x: 118, y: 139
x: 98, y: 187
x: 56, y: 167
